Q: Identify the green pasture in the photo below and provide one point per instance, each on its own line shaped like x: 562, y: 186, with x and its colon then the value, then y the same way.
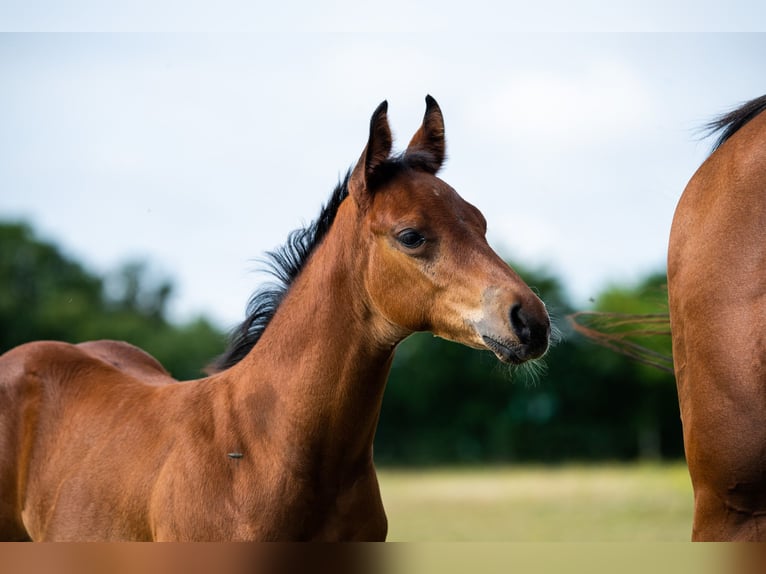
x: 613, y: 503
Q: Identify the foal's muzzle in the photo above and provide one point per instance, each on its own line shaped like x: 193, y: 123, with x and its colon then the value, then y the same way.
x: 523, y: 335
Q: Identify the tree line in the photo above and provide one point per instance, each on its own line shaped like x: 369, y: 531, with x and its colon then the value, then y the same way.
x: 444, y: 403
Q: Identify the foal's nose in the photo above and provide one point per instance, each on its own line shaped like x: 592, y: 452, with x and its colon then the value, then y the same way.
x: 532, y: 329
x: 520, y: 324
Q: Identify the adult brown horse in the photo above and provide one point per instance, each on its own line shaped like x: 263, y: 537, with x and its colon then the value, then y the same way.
x: 717, y: 297
x: 98, y: 442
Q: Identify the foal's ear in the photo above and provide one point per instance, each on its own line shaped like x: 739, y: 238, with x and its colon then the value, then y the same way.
x: 375, y: 153
x: 428, y: 142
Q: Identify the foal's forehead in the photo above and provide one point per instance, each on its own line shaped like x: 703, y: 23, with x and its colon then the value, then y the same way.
x: 419, y: 191
x: 423, y: 190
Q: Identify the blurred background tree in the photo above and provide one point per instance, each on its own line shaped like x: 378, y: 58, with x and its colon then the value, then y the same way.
x: 44, y: 294
x: 444, y: 404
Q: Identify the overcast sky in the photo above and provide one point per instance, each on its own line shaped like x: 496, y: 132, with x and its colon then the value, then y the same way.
x: 200, y: 151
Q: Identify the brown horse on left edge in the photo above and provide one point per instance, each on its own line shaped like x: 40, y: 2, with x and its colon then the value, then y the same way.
x: 717, y: 302
x: 98, y: 442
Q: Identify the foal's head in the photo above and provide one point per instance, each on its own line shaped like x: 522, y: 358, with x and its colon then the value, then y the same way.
x: 429, y: 265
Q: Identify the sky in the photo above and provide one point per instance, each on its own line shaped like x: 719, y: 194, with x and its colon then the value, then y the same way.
x: 200, y: 149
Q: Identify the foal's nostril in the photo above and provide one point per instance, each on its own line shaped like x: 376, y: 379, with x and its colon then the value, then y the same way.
x: 520, y: 324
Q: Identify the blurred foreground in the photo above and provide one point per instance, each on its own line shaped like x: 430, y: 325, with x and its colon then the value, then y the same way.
x: 436, y: 558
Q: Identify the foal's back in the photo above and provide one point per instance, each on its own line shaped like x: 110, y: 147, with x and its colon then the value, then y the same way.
x: 52, y: 398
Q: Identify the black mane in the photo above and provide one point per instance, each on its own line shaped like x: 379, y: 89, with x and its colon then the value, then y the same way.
x: 287, y: 261
x: 284, y: 263
x: 728, y: 124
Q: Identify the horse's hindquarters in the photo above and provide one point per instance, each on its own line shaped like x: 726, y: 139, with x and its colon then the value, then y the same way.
x: 716, y: 286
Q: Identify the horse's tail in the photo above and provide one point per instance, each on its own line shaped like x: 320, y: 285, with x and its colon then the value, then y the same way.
x: 627, y: 334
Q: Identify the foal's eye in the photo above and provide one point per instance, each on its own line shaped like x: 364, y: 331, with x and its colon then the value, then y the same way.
x: 410, y: 238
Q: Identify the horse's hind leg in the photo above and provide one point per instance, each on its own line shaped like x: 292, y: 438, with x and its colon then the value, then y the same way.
x: 715, y: 519
x: 11, y: 525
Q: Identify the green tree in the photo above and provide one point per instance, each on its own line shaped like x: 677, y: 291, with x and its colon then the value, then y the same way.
x: 637, y: 316
x: 46, y: 295
x: 43, y: 295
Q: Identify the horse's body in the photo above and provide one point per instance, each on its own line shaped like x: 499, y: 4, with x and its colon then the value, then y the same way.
x: 717, y: 298
x: 98, y: 442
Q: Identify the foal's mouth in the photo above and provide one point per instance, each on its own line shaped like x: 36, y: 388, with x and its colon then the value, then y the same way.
x: 502, y: 351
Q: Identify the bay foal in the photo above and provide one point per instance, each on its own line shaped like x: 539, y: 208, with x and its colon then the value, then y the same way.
x: 98, y: 442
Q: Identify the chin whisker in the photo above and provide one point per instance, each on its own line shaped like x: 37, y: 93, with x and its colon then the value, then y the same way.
x: 528, y: 373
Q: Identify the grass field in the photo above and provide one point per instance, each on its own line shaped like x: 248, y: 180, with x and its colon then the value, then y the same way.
x: 639, y: 503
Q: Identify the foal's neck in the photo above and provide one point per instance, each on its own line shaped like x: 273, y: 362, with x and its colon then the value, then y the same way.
x: 325, y: 357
